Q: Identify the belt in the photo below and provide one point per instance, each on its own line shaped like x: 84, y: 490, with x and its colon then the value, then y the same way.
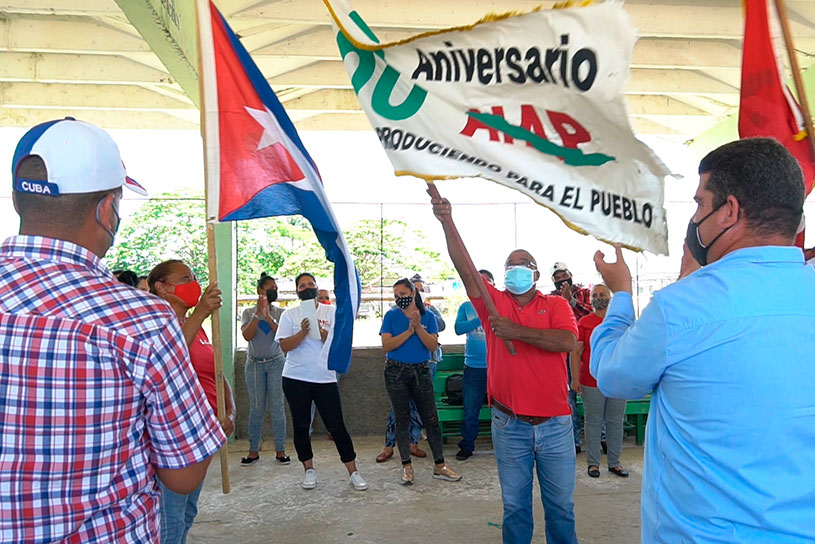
x: 265, y: 359
x: 532, y: 420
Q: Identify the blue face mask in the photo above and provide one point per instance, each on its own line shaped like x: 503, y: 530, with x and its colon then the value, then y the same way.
x: 519, y: 279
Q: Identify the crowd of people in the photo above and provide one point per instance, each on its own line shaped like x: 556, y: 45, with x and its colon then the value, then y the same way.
x: 120, y: 363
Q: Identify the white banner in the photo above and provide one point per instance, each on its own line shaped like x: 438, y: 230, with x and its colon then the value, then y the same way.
x: 533, y: 102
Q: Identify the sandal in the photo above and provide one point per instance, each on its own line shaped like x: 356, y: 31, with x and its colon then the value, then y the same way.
x: 594, y: 471
x: 619, y: 471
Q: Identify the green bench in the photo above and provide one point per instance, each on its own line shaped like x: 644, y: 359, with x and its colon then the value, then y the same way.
x: 636, y: 411
x: 450, y: 416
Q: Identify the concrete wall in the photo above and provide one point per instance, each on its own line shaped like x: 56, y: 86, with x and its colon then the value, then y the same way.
x: 365, y: 402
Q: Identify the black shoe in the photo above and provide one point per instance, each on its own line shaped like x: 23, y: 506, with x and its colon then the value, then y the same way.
x: 463, y: 454
x: 285, y: 460
x: 594, y: 471
x: 619, y: 471
x: 577, y: 449
x: 604, y: 445
x: 246, y: 461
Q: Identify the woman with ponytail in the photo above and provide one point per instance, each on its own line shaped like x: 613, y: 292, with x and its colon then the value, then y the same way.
x: 409, y: 337
x: 175, y: 282
x: 264, y: 370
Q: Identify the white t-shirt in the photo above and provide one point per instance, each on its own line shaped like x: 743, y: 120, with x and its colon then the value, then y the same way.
x: 308, y: 362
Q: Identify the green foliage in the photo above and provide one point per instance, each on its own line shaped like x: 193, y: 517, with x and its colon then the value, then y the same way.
x: 172, y: 226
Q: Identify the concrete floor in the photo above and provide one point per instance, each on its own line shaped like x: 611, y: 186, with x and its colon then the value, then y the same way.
x: 267, y: 504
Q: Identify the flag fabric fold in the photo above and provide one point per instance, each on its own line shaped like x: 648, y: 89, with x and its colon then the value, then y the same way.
x: 258, y: 167
x: 532, y: 101
x: 767, y: 108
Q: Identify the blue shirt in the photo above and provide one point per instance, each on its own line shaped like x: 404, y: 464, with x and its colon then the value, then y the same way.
x: 412, y: 350
x: 730, y: 440
x: 475, y: 349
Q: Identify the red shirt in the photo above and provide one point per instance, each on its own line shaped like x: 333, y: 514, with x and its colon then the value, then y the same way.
x: 203, y: 361
x: 584, y: 329
x: 532, y: 382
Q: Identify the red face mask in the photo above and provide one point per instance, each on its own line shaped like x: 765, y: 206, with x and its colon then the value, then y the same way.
x: 189, y: 293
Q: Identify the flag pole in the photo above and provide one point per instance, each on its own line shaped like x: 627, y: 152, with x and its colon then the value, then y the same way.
x: 433, y: 191
x: 211, y: 175
x: 781, y: 8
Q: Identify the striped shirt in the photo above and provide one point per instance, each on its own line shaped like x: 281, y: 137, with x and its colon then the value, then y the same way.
x: 96, y: 392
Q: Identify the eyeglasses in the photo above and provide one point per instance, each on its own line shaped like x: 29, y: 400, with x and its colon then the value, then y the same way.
x: 526, y: 264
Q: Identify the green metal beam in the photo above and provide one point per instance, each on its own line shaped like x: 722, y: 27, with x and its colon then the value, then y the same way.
x: 169, y: 28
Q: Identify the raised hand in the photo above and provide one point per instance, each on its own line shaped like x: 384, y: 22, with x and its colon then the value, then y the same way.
x: 616, y: 275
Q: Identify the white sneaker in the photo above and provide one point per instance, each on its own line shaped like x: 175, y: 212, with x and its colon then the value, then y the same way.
x: 357, y: 481
x: 310, y: 479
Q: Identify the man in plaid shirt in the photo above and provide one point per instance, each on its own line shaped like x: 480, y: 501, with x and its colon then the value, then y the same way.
x: 97, y: 395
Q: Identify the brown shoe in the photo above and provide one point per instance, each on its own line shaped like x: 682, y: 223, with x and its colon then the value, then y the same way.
x: 444, y: 472
x: 407, y: 474
x: 385, y: 455
x: 416, y: 451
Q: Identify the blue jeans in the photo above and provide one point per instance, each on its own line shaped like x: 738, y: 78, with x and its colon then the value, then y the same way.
x: 264, y: 385
x: 549, y: 448
x: 415, y: 421
x: 177, y: 514
x: 474, y: 388
x: 575, y: 418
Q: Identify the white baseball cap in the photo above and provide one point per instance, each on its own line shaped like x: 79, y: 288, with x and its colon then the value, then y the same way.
x: 560, y: 265
x: 79, y: 158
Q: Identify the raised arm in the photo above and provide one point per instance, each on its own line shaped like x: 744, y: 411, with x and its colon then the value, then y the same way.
x: 469, y: 276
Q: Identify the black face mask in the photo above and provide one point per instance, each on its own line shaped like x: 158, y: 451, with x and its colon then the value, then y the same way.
x: 404, y: 302
x: 307, y: 294
x: 559, y: 284
x: 695, y: 246
x: 271, y: 295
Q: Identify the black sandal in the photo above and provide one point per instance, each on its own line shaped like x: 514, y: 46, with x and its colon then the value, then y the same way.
x: 594, y: 471
x: 619, y: 471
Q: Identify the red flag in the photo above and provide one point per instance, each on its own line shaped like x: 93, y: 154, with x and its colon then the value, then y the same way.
x: 767, y: 108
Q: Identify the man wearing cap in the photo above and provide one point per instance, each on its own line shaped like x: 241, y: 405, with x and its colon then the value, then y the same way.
x: 99, y: 398
x: 531, y: 421
x: 579, y: 298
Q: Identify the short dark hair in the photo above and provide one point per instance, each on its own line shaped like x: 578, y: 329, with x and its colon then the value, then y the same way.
x: 764, y: 177
x: 127, y: 277
x: 160, y: 273
x: 487, y: 273
x: 55, y: 212
x: 302, y: 275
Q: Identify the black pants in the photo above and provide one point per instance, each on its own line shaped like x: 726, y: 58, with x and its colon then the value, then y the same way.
x: 326, y: 397
x: 405, y: 382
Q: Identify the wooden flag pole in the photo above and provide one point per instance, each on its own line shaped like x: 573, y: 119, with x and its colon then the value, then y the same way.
x: 212, y: 265
x: 796, y: 73
x: 211, y: 175
x: 433, y: 191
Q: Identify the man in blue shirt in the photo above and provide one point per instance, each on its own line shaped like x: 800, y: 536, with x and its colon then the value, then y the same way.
x: 730, y: 442
x: 474, y: 386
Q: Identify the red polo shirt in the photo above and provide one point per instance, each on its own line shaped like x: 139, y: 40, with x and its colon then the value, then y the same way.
x: 585, y: 327
x: 532, y: 382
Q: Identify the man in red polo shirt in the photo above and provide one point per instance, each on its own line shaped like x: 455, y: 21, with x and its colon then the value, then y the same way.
x: 531, y: 421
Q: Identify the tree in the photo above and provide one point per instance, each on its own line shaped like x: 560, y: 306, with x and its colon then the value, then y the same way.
x: 172, y: 226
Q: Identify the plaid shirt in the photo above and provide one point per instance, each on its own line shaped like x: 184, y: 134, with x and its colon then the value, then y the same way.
x: 580, y: 302
x: 96, y: 391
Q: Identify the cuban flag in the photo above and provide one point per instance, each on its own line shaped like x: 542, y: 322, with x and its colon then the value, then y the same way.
x: 258, y: 167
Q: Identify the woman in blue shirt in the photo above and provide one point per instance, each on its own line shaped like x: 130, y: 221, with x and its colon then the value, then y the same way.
x: 409, y: 336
